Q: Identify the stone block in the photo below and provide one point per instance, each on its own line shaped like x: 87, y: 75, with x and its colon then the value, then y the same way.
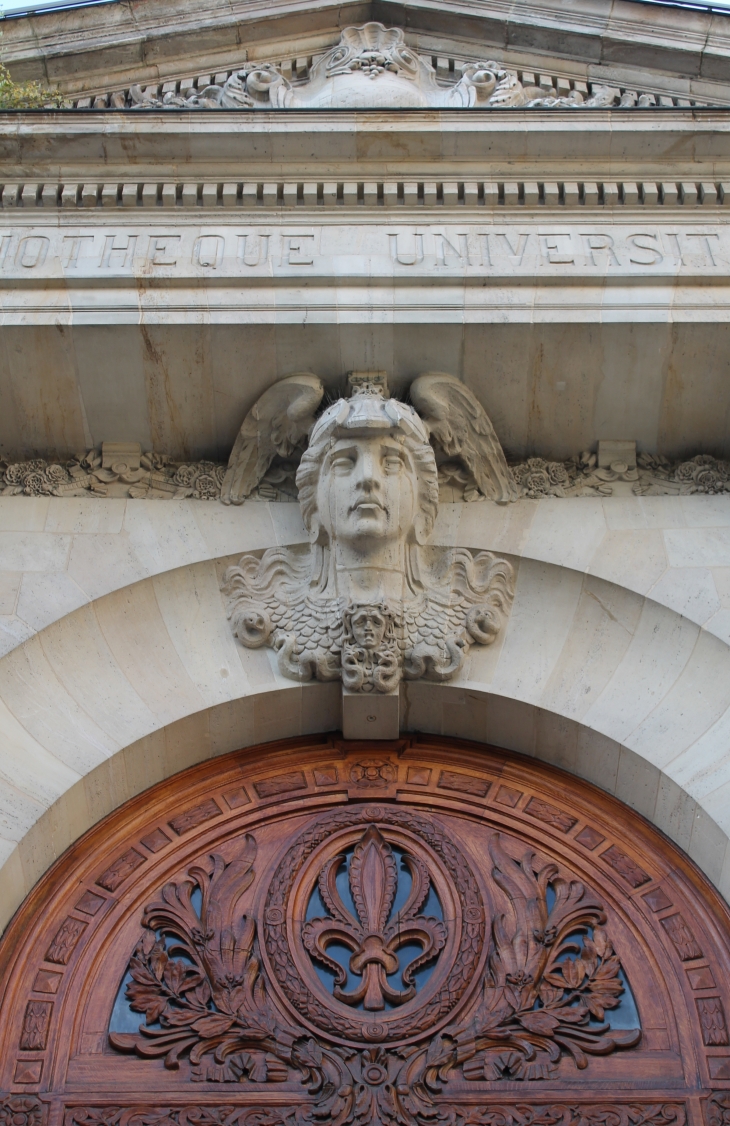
x: 373, y: 716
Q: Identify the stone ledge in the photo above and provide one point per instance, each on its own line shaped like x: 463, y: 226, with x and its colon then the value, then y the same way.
x: 421, y: 144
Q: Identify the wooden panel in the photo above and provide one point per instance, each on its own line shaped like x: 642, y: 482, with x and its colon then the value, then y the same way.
x: 423, y: 932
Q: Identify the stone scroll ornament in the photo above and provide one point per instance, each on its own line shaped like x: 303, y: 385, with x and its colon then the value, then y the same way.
x: 373, y: 996
x: 368, y: 603
x: 372, y: 67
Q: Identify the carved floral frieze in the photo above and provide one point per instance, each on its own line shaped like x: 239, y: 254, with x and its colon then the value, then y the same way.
x: 265, y: 460
x: 535, y: 479
x: 151, y: 477
x: 524, y: 1113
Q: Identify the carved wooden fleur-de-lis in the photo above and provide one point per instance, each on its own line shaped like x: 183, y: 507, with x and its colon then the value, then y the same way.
x: 374, y: 937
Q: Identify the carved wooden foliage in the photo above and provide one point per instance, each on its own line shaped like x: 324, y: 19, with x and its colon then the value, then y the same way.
x: 546, y: 992
x: 352, y: 936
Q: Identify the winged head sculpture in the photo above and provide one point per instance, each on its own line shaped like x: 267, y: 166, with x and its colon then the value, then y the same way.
x: 364, y: 604
x: 281, y: 421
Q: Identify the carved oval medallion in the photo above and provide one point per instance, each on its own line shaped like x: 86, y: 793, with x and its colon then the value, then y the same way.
x: 374, y: 924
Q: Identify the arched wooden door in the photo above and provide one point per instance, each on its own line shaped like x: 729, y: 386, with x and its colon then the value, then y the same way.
x: 427, y: 933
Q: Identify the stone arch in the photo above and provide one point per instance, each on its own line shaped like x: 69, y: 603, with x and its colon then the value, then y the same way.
x: 590, y: 675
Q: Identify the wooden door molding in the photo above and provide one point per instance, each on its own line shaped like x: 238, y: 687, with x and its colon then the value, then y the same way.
x: 423, y: 933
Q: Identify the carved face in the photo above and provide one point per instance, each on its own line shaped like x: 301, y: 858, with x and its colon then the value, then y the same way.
x: 368, y: 627
x: 368, y: 490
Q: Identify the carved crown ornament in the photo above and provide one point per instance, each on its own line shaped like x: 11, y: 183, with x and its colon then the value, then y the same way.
x: 305, y: 935
x: 372, y: 67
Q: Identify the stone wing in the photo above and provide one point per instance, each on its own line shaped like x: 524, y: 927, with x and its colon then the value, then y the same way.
x: 459, y: 423
x: 276, y: 424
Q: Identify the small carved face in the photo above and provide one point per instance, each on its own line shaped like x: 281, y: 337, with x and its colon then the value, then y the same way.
x: 368, y: 489
x: 368, y: 627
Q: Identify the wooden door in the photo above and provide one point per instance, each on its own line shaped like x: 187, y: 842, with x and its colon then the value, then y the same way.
x: 315, y: 932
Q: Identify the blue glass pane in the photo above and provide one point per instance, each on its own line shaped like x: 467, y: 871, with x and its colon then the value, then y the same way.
x: 123, y: 1019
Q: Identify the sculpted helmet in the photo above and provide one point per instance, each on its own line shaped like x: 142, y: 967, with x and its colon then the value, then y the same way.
x: 365, y: 414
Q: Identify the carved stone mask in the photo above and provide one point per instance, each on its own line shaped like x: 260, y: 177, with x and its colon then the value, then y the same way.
x: 369, y: 475
x: 368, y: 625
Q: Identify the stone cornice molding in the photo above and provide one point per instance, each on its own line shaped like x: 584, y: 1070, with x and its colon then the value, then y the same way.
x: 411, y: 198
x: 548, y: 144
x: 80, y: 49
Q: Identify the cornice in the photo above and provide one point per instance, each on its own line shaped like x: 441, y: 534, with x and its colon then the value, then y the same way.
x: 512, y: 144
x: 26, y: 201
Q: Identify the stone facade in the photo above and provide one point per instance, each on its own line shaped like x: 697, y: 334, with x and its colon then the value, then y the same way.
x: 512, y: 236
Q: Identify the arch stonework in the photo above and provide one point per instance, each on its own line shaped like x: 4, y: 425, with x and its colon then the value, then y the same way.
x: 612, y: 665
x: 578, y: 961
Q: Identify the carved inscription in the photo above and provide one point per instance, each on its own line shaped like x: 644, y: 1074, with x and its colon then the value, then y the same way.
x: 484, y: 248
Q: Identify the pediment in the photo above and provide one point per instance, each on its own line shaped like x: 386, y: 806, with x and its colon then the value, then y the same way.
x: 644, y: 55
x: 374, y: 67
